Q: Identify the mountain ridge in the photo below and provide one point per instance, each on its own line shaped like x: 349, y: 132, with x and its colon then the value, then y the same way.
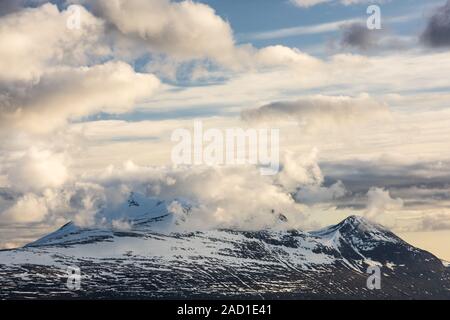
x: 148, y: 261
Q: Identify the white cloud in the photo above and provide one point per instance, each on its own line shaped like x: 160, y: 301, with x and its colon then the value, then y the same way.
x: 317, y: 194
x: 185, y: 30
x: 28, y: 209
x: 281, y: 56
x: 37, y: 170
x: 300, y: 170
x: 34, y: 39
x: 380, y: 202
x: 310, y: 3
x: 50, y: 73
x: 229, y: 197
x: 66, y: 93
x: 237, y: 197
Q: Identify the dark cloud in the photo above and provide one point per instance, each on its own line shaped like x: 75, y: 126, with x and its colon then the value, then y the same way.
x: 10, y: 6
x: 359, y: 176
x: 321, y: 113
x: 437, y: 32
x: 358, y: 36
x: 420, y: 185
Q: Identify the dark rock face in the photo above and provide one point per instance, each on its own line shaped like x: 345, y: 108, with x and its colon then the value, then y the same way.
x: 145, y: 263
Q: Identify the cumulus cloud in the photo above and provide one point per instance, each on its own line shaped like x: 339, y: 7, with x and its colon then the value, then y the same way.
x: 227, y: 197
x: 33, y: 40
x: 186, y: 30
x: 37, y: 170
x: 300, y: 170
x: 50, y: 73
x: 79, y: 202
x: 437, y: 31
x: 67, y: 77
x: 280, y: 55
x: 318, y: 194
x: 65, y: 93
x: 380, y: 202
x: 321, y: 112
x: 224, y: 197
x: 28, y: 208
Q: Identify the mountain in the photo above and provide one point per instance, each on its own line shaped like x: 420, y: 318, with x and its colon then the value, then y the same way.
x: 142, y: 259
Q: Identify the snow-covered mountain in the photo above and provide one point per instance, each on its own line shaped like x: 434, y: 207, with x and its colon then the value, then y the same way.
x: 140, y: 258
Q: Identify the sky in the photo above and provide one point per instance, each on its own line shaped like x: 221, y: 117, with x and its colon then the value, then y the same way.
x: 91, y: 92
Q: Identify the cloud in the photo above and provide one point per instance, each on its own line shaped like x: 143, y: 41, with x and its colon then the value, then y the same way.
x: 37, y: 170
x: 357, y: 35
x: 51, y: 74
x: 321, y: 112
x: 175, y: 32
x: 310, y: 3
x: 33, y: 40
x: 218, y: 197
x: 69, y: 93
x: 437, y: 31
x: 9, y: 6
x: 280, y: 55
x: 435, y: 222
x: 399, y: 172
x: 380, y: 202
x: 300, y: 170
x: 300, y: 30
x: 317, y: 194
x: 185, y: 30
x: 27, y: 209
x: 79, y: 202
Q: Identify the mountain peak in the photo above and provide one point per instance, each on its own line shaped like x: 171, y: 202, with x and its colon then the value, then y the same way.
x: 361, y: 223
x: 358, y: 231
x: 355, y: 220
x: 351, y: 222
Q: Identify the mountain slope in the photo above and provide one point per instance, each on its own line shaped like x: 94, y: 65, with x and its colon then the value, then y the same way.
x: 146, y: 261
